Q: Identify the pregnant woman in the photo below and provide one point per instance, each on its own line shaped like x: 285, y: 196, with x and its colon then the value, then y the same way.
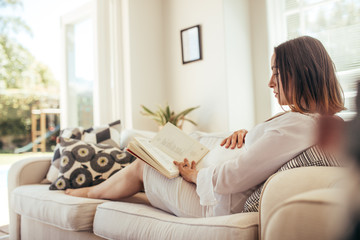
x: 303, y: 78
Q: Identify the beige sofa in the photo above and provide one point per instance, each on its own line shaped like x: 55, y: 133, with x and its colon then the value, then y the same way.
x: 302, y: 203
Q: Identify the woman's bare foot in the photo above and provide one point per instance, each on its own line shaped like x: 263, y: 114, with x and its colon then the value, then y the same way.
x: 79, y: 192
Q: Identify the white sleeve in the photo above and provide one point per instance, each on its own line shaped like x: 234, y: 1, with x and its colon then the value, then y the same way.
x: 265, y: 156
x: 204, y: 186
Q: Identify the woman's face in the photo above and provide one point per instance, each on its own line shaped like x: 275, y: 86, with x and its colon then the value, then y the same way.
x: 275, y: 82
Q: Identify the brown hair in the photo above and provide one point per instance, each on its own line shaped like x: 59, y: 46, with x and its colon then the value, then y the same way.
x: 308, y: 77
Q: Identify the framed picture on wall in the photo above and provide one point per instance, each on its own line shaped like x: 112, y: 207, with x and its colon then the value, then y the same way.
x: 191, y: 44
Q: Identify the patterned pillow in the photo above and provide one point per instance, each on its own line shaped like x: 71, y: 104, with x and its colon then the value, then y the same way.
x: 109, y: 134
x: 85, y: 164
x: 313, y: 156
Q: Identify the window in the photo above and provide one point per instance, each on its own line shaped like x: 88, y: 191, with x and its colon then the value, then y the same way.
x: 336, y: 23
x: 93, y: 80
x: 79, y: 60
x: 80, y: 72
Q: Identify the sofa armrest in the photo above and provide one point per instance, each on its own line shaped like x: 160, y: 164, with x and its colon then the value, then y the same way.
x: 28, y: 171
x: 317, y: 214
x: 284, y: 185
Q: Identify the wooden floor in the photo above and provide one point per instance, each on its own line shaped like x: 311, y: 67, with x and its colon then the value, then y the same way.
x: 4, y: 232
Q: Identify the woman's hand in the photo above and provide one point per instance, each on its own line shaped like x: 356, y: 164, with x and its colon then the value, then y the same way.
x: 187, y: 171
x: 236, y: 139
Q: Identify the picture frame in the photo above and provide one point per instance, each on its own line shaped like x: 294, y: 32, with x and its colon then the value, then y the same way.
x: 191, y: 44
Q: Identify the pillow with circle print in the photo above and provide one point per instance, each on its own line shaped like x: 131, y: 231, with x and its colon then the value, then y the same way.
x: 84, y: 164
x: 106, y: 134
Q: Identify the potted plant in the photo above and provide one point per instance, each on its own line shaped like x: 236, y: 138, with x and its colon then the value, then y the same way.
x: 164, y: 114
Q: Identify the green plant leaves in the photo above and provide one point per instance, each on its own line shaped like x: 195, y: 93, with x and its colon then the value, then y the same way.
x: 164, y: 114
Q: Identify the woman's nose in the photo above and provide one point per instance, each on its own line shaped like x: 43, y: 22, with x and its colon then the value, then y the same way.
x: 272, y: 83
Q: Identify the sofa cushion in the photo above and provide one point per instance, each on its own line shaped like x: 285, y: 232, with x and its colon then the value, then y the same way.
x: 86, y: 164
x: 54, y: 207
x: 138, y: 221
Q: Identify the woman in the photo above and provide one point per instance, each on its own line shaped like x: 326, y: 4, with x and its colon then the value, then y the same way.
x: 303, y: 78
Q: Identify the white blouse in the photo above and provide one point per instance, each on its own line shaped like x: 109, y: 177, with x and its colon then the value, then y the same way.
x: 224, y: 187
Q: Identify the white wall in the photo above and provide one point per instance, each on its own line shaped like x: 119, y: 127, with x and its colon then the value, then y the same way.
x: 239, y: 64
x: 260, y: 53
x: 224, y: 82
x: 146, y: 58
x: 229, y: 84
x: 202, y: 82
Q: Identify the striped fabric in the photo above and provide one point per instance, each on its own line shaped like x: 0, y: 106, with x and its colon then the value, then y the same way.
x: 313, y: 156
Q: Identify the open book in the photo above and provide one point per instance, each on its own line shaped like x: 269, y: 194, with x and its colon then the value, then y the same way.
x: 169, y: 144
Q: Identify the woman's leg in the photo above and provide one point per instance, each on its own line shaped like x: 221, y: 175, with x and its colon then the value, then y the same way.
x: 124, y: 183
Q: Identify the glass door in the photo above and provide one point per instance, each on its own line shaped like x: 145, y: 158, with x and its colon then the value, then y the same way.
x: 78, y: 86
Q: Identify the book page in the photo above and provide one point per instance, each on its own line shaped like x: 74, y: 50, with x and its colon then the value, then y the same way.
x: 158, y: 156
x: 135, y: 149
x: 177, y: 144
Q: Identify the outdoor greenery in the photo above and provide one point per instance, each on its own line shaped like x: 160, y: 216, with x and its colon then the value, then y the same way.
x: 15, y: 118
x: 164, y: 114
x: 25, y: 83
x: 19, y: 68
x: 16, y: 112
